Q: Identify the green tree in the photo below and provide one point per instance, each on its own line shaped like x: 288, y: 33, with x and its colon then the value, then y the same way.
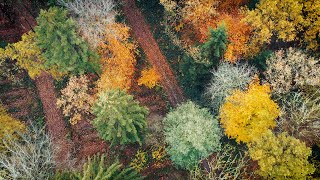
x: 60, y: 44
x: 192, y: 134
x: 215, y: 46
x: 119, y: 118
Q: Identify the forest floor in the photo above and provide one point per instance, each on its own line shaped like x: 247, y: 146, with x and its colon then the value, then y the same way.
x: 142, y: 33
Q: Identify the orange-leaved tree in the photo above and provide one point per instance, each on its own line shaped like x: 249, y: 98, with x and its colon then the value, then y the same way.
x: 117, y: 58
x: 247, y: 114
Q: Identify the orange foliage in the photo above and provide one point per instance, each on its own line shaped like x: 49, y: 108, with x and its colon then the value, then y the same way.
x: 118, y: 61
x: 230, y: 5
x: 149, y: 78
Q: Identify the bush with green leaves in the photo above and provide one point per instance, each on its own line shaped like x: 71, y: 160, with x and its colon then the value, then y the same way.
x: 191, y: 134
x: 119, y: 118
x: 97, y: 168
x: 61, y: 46
x: 281, y: 156
x: 225, y: 79
x: 300, y: 117
x: 29, y: 157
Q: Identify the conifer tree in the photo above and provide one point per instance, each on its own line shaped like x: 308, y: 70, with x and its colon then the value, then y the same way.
x: 61, y: 46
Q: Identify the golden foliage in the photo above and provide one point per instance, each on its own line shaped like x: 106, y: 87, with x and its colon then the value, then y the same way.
x: 288, y: 20
x: 75, y: 99
x: 140, y: 161
x: 281, y: 157
x: 28, y: 56
x: 9, y: 126
x: 149, y: 78
x: 247, y: 115
x: 118, y: 60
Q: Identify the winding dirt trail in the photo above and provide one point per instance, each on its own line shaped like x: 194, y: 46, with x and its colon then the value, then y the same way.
x: 143, y: 35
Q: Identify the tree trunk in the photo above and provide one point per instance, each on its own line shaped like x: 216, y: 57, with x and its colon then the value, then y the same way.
x: 54, y: 119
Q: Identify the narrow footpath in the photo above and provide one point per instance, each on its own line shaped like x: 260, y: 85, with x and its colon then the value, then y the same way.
x: 143, y: 35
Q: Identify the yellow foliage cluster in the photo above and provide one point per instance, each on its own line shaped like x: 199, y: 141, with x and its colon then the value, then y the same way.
x: 118, y: 58
x: 28, y: 56
x: 286, y: 19
x: 140, y: 161
x: 75, y: 99
x: 149, y: 78
x: 158, y: 155
x: 248, y: 114
x: 281, y: 157
x: 9, y: 126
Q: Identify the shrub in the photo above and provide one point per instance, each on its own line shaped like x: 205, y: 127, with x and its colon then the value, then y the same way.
x: 192, y: 134
x: 119, y: 118
x: 9, y: 126
x: 30, y: 157
x: 140, y: 161
x: 225, y: 79
x: 287, y: 70
x: 300, y: 117
x: 228, y: 163
x: 75, y: 99
x: 92, y: 17
x: 149, y: 78
x: 247, y: 114
x: 61, y: 46
x: 97, y: 168
x: 281, y: 157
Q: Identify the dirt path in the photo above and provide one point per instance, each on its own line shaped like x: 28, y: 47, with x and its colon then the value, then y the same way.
x: 143, y: 35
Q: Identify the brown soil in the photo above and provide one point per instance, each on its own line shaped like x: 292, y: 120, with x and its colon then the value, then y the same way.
x: 54, y: 119
x: 143, y: 35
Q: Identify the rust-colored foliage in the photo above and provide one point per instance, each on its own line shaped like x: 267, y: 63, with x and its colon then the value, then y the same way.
x: 118, y: 60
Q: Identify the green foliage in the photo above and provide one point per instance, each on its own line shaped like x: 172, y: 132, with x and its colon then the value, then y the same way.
x: 225, y: 79
x: 281, y: 157
x: 97, y: 168
x: 119, y: 118
x: 61, y: 46
x: 260, y: 60
x: 215, y: 46
x: 192, y: 134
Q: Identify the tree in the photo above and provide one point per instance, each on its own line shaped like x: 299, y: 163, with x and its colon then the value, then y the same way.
x: 247, y: 114
x: 117, y: 58
x: 119, y: 118
x: 28, y: 56
x: 281, y: 157
x: 9, y: 126
x: 287, y: 20
x: 149, y: 78
x: 215, y: 46
x: 61, y: 46
x: 300, y: 117
x: 92, y: 17
x: 192, y: 134
x: 226, y: 79
x: 75, y: 99
x: 288, y: 70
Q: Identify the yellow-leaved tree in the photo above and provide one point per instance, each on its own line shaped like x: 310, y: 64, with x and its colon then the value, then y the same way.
x: 28, y: 56
x: 118, y: 58
x: 281, y: 156
x: 247, y: 114
x: 149, y: 78
x: 9, y: 126
x: 287, y: 20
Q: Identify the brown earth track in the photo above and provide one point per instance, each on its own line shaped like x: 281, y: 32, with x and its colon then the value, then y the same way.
x: 143, y: 35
